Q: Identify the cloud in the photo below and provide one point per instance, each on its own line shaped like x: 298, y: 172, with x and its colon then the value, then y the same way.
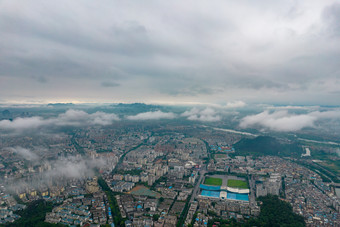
x: 285, y: 52
x: 24, y: 153
x: 74, y: 167
x: 69, y: 118
x: 155, y: 115
x: 79, y: 117
x: 284, y: 121
x: 109, y: 84
x: 208, y: 114
x: 310, y: 108
x: 337, y: 151
x: 235, y: 104
x: 326, y: 114
x: 22, y: 123
x: 331, y: 16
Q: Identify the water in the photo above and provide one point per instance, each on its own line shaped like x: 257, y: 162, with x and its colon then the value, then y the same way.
x: 236, y: 132
x: 322, y: 142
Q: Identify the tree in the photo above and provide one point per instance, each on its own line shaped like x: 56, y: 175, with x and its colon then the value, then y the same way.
x: 275, y: 212
x: 155, y: 217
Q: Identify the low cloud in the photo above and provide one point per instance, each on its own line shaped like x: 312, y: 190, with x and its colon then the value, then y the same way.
x: 64, y: 168
x: 78, y: 117
x: 337, y: 151
x: 22, y: 123
x: 208, y: 114
x: 152, y: 115
x: 326, y: 114
x: 75, y: 167
x: 24, y: 153
x: 235, y: 104
x: 284, y: 121
x: 305, y: 108
x: 69, y: 118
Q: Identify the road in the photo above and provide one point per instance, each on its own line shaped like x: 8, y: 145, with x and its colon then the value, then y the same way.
x: 121, y: 159
x: 197, y: 186
x: 252, y: 199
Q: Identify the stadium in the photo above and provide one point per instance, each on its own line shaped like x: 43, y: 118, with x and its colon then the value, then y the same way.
x: 224, y: 192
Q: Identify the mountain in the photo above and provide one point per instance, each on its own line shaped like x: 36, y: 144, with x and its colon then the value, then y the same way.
x: 267, y: 145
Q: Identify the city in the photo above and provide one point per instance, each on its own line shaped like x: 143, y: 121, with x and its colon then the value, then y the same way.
x: 163, y: 174
x: 169, y: 113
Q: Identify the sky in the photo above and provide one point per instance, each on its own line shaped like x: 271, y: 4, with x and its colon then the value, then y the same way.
x: 264, y: 51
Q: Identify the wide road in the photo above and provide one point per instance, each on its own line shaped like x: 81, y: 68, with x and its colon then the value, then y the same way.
x: 252, y: 198
x: 197, y: 186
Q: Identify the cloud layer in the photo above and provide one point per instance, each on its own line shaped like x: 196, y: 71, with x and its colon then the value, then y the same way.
x: 79, y: 118
x: 69, y: 118
x: 152, y: 115
x: 194, y: 51
x: 284, y: 121
x: 24, y: 153
x: 236, y: 104
x: 72, y: 167
x: 208, y: 114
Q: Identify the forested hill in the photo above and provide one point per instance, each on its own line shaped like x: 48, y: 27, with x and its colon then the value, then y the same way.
x: 266, y: 145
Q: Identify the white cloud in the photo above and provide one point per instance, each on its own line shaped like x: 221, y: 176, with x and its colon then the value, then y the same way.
x: 284, y: 121
x: 78, y: 117
x: 193, y: 111
x: 69, y: 118
x: 152, y: 115
x: 326, y: 114
x: 75, y: 167
x: 289, y: 107
x: 25, y: 153
x: 72, y: 167
x: 22, y: 123
x: 235, y: 104
x: 207, y: 114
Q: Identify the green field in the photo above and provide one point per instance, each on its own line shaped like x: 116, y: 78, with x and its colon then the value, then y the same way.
x: 237, y: 184
x: 213, y: 181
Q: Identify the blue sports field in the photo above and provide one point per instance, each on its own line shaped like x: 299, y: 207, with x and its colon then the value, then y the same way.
x: 214, y: 194
x: 236, y: 196
x: 210, y: 188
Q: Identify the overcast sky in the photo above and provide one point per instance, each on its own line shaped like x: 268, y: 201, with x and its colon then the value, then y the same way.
x: 261, y: 51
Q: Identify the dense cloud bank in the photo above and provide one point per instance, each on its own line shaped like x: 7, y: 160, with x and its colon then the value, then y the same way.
x: 78, y: 118
x: 170, y: 52
x: 69, y: 118
x: 284, y: 121
x: 281, y: 118
x: 64, y: 168
x: 207, y: 114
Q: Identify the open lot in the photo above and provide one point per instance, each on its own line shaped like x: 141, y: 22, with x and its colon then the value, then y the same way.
x: 142, y: 190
